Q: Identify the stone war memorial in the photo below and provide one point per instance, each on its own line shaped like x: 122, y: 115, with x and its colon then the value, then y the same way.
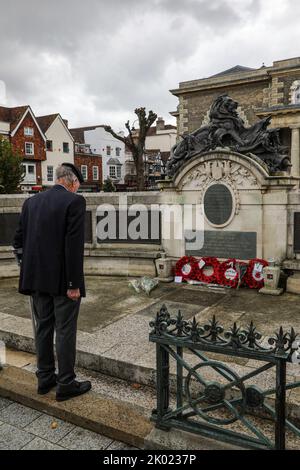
x: 205, y: 360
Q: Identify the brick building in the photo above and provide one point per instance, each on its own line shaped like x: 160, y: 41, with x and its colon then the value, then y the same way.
x: 103, y: 144
x: 21, y: 128
x: 88, y: 161
x: 261, y: 92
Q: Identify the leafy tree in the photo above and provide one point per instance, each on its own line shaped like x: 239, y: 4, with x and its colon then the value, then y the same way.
x: 136, y: 141
x: 11, y: 169
x: 108, y: 186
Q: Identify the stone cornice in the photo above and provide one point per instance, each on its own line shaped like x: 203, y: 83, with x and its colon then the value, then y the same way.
x: 262, y: 74
x: 276, y: 110
x: 220, y: 82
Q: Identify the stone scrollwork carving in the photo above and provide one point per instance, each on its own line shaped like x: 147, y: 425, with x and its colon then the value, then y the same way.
x: 220, y: 170
x: 232, y: 174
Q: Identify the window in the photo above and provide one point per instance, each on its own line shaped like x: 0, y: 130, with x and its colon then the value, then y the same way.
x: 295, y: 92
x: 29, y: 173
x: 118, y: 151
x: 28, y: 130
x: 66, y: 148
x: 108, y: 150
x: 84, y: 172
x: 95, y: 173
x: 119, y: 171
x: 29, y: 148
x: 49, y: 145
x: 49, y: 173
x: 112, y: 171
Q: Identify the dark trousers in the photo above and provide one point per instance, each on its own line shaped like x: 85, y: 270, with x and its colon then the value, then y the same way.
x: 59, y: 314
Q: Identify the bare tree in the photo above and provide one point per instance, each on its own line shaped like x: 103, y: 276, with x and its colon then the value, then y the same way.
x: 136, y: 141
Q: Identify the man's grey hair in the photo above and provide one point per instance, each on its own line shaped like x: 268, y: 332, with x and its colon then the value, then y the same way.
x: 66, y: 173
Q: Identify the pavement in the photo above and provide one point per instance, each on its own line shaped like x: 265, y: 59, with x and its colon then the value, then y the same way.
x: 113, y: 335
x: 24, y: 428
x: 113, y: 327
x: 116, y: 411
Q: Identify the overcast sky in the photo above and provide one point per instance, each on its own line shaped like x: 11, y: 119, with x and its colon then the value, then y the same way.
x: 94, y: 61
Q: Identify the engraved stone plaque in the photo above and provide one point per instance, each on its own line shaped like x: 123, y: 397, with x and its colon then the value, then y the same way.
x: 88, y: 229
x: 121, y: 220
x: 218, y: 204
x: 9, y: 223
x: 8, y: 226
x: 297, y: 232
x: 223, y: 244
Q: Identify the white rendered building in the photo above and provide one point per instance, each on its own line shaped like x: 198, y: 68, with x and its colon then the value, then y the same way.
x: 59, y: 146
x: 103, y: 143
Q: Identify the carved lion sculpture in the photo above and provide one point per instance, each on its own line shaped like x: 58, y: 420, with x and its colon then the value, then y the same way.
x: 227, y: 129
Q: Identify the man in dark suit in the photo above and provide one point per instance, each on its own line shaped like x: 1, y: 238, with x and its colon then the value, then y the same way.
x: 50, y: 238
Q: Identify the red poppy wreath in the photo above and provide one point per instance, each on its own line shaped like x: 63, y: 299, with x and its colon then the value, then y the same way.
x: 185, y: 267
x: 254, y: 276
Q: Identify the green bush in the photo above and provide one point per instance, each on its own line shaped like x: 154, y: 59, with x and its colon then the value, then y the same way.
x: 11, y: 169
x: 108, y: 186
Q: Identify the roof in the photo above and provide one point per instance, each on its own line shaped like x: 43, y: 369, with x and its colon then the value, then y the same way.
x: 235, y: 69
x: 113, y: 161
x: 12, y: 115
x: 152, y: 130
x: 46, y: 121
x: 78, y: 133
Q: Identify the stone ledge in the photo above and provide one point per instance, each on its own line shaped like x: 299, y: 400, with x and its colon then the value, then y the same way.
x: 92, y: 411
x: 182, y: 440
x: 101, y: 414
x: 293, y: 264
x: 124, y: 253
x: 127, y: 364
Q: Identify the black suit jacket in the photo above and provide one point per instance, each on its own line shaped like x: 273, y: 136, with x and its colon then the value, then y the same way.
x: 51, y: 234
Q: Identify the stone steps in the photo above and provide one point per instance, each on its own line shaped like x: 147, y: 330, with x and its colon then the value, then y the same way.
x: 135, y: 362
x: 92, y: 411
x: 114, y: 409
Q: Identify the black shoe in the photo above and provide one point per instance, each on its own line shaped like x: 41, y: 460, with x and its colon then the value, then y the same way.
x: 45, y: 388
x: 74, y: 389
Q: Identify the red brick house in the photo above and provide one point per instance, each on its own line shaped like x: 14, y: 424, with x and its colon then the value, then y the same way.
x: 21, y: 128
x: 88, y: 162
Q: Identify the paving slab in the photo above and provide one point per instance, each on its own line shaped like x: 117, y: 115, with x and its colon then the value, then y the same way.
x: 40, y: 444
x: 43, y: 428
x: 12, y: 438
x: 82, y: 439
x: 195, y: 296
x: 4, y: 403
x: 18, y: 415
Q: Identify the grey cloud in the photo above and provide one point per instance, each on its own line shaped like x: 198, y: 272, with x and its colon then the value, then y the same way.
x: 96, y: 59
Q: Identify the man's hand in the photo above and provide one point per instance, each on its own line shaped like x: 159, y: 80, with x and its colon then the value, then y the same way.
x: 73, y: 294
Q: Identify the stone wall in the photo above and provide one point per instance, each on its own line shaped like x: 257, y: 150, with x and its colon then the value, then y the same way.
x: 263, y: 214
x: 198, y: 103
x: 125, y: 257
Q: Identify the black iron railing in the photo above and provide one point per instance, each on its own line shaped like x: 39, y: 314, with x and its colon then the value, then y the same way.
x: 212, y: 398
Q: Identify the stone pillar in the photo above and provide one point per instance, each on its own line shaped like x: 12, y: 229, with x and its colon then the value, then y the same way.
x: 295, y: 152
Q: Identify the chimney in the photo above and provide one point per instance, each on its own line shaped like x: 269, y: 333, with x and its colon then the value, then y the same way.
x: 160, y: 124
